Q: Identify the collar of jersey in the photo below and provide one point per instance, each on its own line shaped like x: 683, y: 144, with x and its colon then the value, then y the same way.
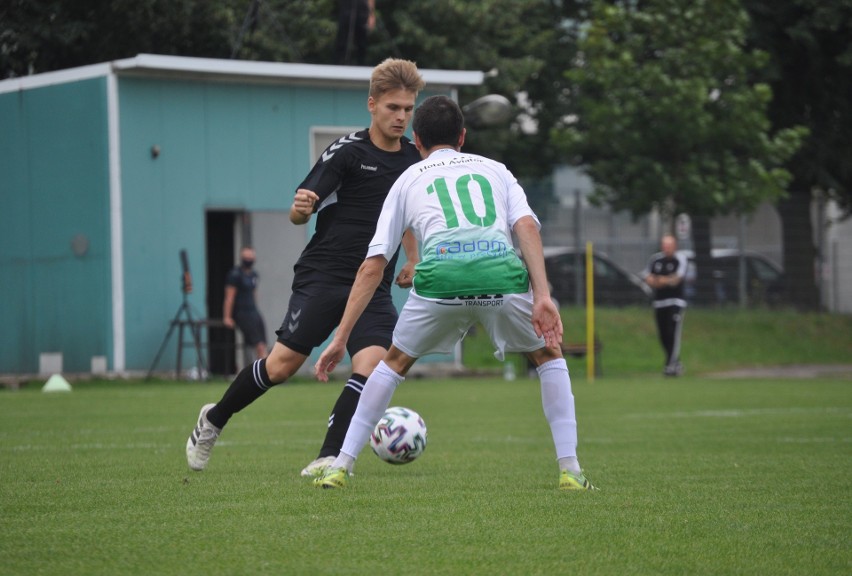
x: 453, y: 150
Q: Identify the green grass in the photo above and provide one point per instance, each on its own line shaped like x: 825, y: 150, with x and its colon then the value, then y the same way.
x: 713, y: 340
x: 697, y: 476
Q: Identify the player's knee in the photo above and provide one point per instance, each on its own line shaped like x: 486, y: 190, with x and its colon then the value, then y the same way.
x: 282, y: 363
x: 545, y: 354
x: 399, y: 361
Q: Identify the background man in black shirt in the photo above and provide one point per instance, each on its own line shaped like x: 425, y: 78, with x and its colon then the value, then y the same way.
x: 665, y: 273
x: 240, y: 307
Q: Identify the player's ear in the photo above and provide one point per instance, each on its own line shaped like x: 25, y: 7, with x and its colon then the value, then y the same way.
x: 461, y: 138
x: 371, y: 104
x: 419, y: 144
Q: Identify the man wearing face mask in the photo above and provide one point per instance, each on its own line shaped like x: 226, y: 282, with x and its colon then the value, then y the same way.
x: 240, y: 308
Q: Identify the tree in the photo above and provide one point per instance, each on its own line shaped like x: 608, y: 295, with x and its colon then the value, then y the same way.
x: 810, y: 73
x: 523, y: 45
x: 670, y: 118
x: 43, y: 35
x: 287, y: 31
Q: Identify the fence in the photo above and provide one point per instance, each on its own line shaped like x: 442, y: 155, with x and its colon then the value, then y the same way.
x: 758, y: 237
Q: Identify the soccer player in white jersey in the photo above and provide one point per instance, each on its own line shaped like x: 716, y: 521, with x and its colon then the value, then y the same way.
x: 463, y: 209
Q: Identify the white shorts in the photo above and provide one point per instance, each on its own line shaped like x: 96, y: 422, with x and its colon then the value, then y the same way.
x: 435, y: 325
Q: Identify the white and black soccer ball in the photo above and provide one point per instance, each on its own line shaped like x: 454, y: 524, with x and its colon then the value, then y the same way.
x: 400, y: 436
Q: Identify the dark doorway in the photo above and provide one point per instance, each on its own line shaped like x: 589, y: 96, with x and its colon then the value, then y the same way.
x: 220, y: 259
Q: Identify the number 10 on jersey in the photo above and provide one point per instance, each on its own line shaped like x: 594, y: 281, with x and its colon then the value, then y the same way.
x: 463, y: 191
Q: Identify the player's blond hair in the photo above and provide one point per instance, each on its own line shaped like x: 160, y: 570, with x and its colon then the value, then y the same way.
x: 395, y: 74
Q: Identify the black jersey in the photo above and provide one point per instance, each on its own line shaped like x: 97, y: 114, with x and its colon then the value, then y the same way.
x: 245, y: 283
x: 352, y: 179
x: 662, y: 265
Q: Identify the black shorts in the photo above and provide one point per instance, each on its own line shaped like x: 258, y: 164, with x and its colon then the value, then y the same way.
x: 251, y: 325
x: 315, y: 310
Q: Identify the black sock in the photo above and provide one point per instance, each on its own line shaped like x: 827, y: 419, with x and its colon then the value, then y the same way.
x: 341, y: 416
x: 249, y: 385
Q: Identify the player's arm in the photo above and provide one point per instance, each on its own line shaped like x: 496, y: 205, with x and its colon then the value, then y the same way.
x: 412, y: 255
x: 662, y: 281
x: 366, y: 281
x: 671, y: 280
x: 326, y: 176
x: 228, y: 306
x: 680, y: 274
x: 303, y: 206
x: 546, y: 319
x: 651, y: 279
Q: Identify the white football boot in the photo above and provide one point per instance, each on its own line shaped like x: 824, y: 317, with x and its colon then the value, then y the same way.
x: 201, y: 441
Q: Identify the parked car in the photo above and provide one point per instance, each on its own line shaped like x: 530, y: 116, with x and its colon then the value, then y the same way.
x: 765, y: 281
x: 614, y: 286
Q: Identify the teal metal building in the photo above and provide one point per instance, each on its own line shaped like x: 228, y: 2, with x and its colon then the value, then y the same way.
x: 109, y: 171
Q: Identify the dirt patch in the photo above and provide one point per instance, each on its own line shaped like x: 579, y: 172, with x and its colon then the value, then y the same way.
x: 843, y: 371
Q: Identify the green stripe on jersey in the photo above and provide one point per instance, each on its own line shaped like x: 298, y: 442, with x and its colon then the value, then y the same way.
x: 469, y: 263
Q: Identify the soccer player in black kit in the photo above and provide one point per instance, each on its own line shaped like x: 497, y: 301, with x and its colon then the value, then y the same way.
x: 346, y: 188
x: 665, y: 273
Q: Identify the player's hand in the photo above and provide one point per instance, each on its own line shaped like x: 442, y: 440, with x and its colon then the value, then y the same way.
x: 328, y: 360
x: 405, y: 277
x: 304, y: 201
x: 228, y: 322
x: 547, y: 323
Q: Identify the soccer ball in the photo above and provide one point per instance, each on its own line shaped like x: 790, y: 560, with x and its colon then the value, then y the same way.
x: 400, y: 436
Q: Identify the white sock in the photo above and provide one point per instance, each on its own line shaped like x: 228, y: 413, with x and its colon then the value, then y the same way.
x: 344, y: 461
x: 558, y: 403
x: 571, y: 464
x: 375, y: 399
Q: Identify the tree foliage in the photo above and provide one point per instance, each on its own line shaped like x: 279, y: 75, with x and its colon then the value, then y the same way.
x: 44, y: 35
x: 286, y: 31
x: 810, y: 73
x: 522, y: 45
x: 668, y: 113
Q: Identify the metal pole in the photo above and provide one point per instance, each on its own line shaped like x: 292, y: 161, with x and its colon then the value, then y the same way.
x: 742, y: 292
x: 590, y: 313
x: 578, y: 259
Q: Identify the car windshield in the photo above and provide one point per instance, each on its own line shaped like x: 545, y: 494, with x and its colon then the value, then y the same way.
x: 605, y: 270
x: 764, y: 271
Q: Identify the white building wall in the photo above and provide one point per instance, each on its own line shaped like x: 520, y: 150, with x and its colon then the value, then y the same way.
x: 836, y: 271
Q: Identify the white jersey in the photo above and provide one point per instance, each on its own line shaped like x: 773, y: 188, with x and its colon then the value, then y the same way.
x: 462, y: 208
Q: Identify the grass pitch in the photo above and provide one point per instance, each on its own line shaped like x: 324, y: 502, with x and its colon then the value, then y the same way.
x: 696, y: 476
